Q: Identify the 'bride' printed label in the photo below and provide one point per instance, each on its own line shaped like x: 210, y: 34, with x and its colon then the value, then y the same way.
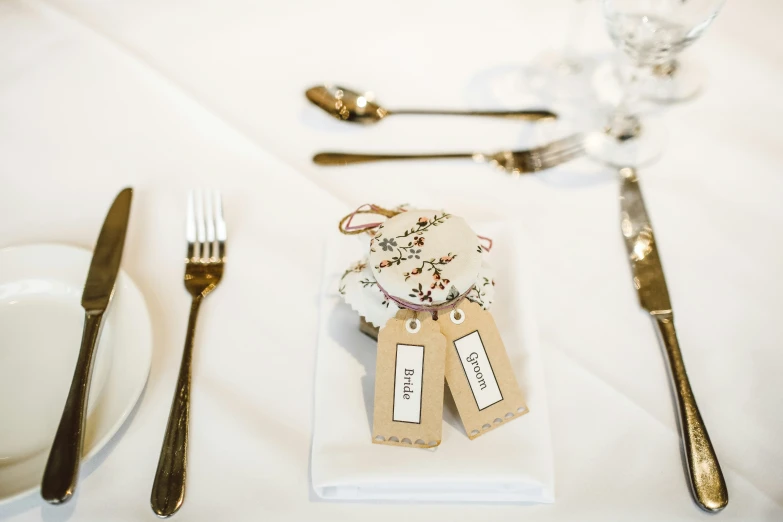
x: 409, y: 381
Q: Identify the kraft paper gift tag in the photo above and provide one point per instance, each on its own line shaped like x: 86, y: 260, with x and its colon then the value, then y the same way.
x: 409, y: 379
x: 478, y: 370
x: 421, y: 263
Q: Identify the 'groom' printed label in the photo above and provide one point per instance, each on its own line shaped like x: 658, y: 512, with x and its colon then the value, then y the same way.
x: 478, y: 370
x: 408, y: 374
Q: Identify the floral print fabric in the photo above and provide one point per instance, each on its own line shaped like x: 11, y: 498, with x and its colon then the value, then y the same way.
x: 426, y: 257
x: 360, y: 290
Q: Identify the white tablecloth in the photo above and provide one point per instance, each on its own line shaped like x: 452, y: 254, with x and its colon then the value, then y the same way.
x: 168, y: 95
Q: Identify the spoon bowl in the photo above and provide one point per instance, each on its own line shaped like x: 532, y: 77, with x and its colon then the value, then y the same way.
x: 345, y: 104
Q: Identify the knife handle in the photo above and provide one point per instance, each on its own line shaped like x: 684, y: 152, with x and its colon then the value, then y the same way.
x: 62, y: 468
x: 707, y: 482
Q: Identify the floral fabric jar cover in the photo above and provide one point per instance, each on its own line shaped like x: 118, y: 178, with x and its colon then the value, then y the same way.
x: 421, y: 257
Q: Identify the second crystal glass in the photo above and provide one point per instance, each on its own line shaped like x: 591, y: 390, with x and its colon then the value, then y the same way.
x: 650, y: 33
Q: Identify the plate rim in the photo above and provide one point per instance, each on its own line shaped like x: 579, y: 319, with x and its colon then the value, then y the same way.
x: 137, y: 390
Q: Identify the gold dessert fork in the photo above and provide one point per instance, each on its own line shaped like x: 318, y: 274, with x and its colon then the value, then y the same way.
x: 512, y: 161
x: 206, y: 236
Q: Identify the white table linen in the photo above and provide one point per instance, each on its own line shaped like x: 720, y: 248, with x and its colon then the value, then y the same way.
x: 166, y: 95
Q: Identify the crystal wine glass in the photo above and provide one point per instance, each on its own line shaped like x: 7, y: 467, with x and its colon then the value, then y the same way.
x: 651, y: 33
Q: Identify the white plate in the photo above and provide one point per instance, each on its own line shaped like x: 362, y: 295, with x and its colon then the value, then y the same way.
x: 41, y: 322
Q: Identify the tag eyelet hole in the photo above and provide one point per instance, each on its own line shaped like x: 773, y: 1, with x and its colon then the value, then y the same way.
x: 498, y: 420
x: 509, y: 415
x: 433, y: 443
x: 413, y: 326
x: 420, y: 442
x: 457, y: 316
x: 521, y: 410
x: 380, y: 438
x: 486, y: 427
x: 406, y: 440
x: 394, y: 439
x: 474, y: 432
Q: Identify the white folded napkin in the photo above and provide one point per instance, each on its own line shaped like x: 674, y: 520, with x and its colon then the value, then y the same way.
x: 512, y: 463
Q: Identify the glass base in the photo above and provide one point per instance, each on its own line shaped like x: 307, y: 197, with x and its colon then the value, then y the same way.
x: 677, y: 82
x: 626, y: 142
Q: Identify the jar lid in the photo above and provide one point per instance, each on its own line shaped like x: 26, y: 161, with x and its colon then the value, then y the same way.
x: 359, y: 289
x: 425, y: 257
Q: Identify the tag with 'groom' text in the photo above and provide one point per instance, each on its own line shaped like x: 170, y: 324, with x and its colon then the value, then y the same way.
x: 478, y: 370
x: 409, y: 377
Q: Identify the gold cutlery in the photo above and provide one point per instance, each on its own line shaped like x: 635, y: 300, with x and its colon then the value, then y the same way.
x: 62, y: 467
x: 345, y: 104
x: 517, y: 162
x: 206, y: 255
x: 707, y: 483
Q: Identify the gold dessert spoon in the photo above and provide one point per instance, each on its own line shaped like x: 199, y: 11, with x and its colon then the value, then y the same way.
x: 345, y: 104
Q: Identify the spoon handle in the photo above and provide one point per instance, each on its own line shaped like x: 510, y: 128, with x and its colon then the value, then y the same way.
x: 343, y: 158
x: 529, y: 115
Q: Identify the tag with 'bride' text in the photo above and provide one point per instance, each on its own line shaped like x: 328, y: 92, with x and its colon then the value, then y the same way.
x: 409, y: 377
x: 478, y: 370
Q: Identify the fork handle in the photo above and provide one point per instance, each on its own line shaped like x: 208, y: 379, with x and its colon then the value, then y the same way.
x: 707, y: 482
x: 343, y: 158
x: 168, y: 490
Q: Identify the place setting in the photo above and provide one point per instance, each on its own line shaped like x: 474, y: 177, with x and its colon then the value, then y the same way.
x: 430, y: 349
x: 424, y: 292
x: 409, y: 319
x: 73, y: 396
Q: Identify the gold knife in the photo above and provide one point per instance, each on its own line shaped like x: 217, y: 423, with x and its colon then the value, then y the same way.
x: 62, y: 467
x: 707, y: 483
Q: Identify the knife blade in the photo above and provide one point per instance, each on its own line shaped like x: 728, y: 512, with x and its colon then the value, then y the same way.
x: 642, y: 250
x: 105, y: 264
x: 706, y: 478
x: 62, y: 466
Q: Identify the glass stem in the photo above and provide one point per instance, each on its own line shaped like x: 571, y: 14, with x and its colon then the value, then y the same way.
x: 666, y: 69
x: 624, y: 123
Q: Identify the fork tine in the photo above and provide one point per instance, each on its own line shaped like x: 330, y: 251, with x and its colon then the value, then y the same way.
x: 220, y: 226
x: 561, y: 144
x: 211, y: 251
x: 190, y: 226
x: 552, y: 160
x: 200, y: 226
x: 554, y: 154
x: 545, y: 156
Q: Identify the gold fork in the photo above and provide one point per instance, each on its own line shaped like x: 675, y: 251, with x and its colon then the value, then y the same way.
x: 516, y: 162
x: 206, y: 236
